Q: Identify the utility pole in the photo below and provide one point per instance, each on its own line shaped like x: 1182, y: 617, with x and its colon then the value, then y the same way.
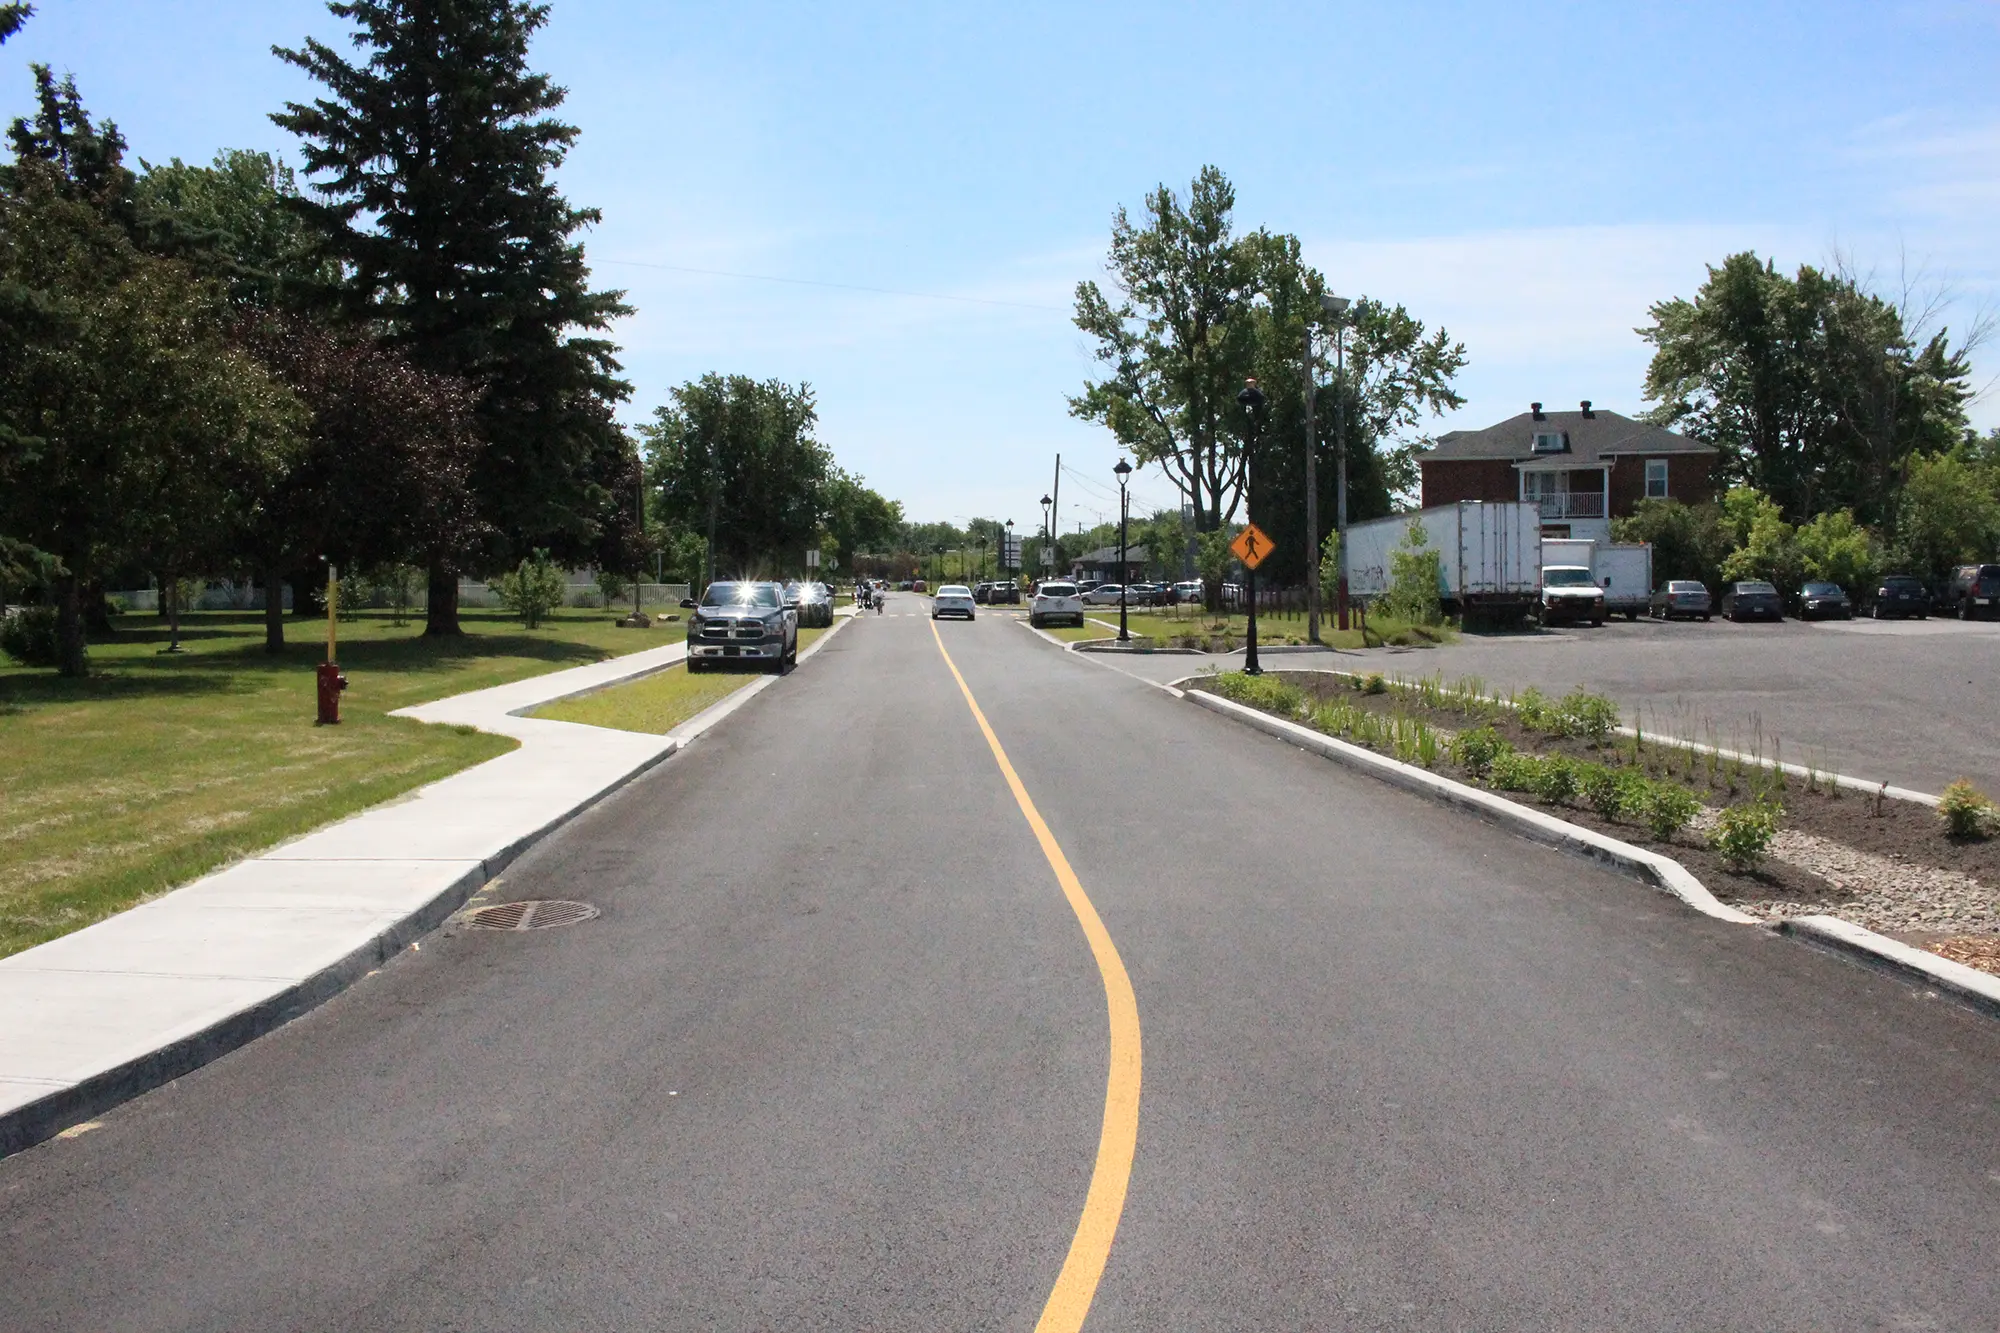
x: 1336, y: 306
x: 1312, y: 497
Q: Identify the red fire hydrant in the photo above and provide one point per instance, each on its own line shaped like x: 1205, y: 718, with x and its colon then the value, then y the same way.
x: 331, y: 683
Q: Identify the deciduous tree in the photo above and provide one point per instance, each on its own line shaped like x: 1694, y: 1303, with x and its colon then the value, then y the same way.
x: 1816, y: 391
x: 736, y: 460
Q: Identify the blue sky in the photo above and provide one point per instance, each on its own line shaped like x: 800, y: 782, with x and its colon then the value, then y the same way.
x: 1529, y: 175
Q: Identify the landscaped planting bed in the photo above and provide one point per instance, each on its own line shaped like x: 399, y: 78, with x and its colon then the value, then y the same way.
x: 1800, y: 844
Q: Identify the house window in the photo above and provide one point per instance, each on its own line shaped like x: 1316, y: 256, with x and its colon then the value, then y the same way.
x: 1656, y: 479
x: 1550, y: 442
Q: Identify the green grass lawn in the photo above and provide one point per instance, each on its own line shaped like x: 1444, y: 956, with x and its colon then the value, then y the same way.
x: 658, y: 703
x: 156, y: 769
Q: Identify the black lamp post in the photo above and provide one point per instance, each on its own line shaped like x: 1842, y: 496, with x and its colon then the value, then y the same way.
x: 1124, y: 470
x: 1007, y: 547
x: 1048, y: 536
x: 1252, y: 399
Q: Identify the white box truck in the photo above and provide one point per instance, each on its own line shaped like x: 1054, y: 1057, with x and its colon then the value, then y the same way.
x: 1623, y: 570
x: 1489, y: 555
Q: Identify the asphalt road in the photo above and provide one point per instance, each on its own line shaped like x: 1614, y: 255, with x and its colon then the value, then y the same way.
x: 1914, y: 703
x: 835, y: 1054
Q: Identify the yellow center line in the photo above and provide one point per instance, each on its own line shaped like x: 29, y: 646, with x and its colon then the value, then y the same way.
x: 1070, y: 1300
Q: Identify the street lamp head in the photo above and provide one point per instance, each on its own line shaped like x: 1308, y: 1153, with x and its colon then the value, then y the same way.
x: 1124, y: 470
x: 1334, y: 305
x: 1046, y: 502
x: 1252, y: 397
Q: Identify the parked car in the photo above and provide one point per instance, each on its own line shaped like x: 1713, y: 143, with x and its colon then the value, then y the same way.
x: 813, y: 602
x: 1681, y: 597
x: 1188, y: 591
x: 739, y: 621
x: 1056, y: 602
x: 1899, y: 596
x: 1105, y: 594
x: 1148, y: 594
x: 1569, y: 593
x: 1973, y: 590
x: 1752, y: 599
x: 1010, y: 592
x: 953, y: 599
x: 918, y: 585
x: 1822, y: 601
x: 981, y: 592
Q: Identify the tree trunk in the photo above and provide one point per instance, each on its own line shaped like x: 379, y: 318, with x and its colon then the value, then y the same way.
x: 173, y: 613
x: 274, y: 611
x: 96, y: 616
x: 70, y: 659
x: 441, y: 612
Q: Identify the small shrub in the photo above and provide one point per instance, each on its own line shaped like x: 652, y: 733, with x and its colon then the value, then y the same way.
x: 1559, y: 780
x: 1591, y: 716
x: 1265, y: 692
x: 1613, y: 792
x: 1743, y: 833
x: 1477, y: 749
x: 1668, y: 808
x: 1373, y: 683
x: 1536, y: 713
x: 29, y: 637
x: 1967, y: 812
x: 1514, y: 771
x: 533, y: 589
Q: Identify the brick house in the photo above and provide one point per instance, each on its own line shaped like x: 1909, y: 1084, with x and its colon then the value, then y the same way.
x: 1584, y: 468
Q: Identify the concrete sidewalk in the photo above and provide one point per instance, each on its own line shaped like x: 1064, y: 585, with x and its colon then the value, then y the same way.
x: 99, y: 1016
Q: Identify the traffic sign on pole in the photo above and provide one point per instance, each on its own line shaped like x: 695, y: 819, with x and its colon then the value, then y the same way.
x: 1251, y: 546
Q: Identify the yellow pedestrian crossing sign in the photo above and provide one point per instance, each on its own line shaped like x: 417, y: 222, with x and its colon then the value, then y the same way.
x: 1251, y: 546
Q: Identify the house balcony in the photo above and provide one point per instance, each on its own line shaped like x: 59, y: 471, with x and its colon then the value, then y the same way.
x: 1571, y: 504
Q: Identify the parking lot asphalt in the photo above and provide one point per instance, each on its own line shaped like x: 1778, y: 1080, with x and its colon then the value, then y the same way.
x: 834, y: 1056
x: 1914, y: 703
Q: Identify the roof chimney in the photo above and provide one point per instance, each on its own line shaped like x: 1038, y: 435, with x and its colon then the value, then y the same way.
x: 1537, y: 410
x: 1587, y: 413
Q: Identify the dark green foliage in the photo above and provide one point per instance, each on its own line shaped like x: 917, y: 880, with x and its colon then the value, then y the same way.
x: 130, y: 428
x: 435, y: 153
x: 1689, y: 541
x: 1815, y: 390
x: 1743, y: 833
x: 532, y: 589
x: 29, y: 636
x: 742, y: 453
x: 12, y: 16
x: 1477, y: 750
x: 1559, y: 780
x: 243, y: 221
x: 1669, y: 808
x: 1196, y: 309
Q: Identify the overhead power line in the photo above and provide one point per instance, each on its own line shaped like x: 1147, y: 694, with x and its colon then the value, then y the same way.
x: 837, y: 286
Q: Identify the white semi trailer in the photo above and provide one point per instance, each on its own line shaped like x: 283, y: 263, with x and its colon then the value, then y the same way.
x: 1489, y: 555
x: 1623, y: 570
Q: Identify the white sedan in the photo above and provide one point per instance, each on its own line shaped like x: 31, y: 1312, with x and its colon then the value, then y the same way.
x: 952, y: 600
x: 1105, y: 594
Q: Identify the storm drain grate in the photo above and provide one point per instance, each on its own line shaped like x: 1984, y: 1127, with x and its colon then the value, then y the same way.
x: 534, y: 914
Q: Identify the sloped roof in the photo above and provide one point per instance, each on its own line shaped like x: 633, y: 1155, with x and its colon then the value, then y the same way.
x: 1598, y: 436
x: 1108, y: 555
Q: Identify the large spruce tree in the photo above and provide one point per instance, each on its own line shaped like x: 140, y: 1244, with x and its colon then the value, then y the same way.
x: 434, y: 154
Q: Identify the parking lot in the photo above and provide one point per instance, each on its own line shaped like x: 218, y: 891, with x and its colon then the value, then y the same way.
x: 1914, y: 703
